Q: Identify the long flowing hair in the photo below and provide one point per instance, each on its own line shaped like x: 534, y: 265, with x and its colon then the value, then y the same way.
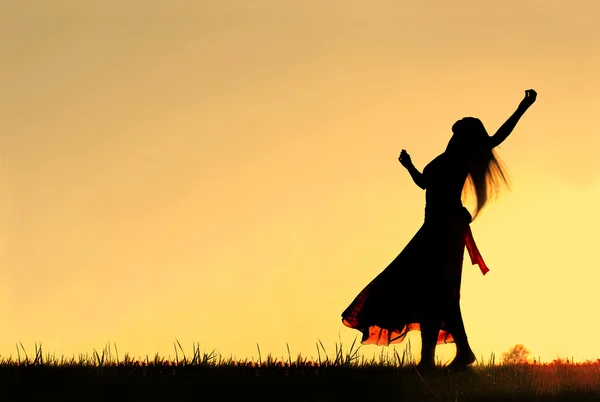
x: 487, y: 174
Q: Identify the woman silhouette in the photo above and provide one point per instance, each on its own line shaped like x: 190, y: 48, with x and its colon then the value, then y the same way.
x: 420, y: 288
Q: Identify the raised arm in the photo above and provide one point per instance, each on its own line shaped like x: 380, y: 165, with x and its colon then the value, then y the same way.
x: 417, y: 176
x: 508, y: 126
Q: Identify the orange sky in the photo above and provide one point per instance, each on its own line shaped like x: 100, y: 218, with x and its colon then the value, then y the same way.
x: 226, y: 172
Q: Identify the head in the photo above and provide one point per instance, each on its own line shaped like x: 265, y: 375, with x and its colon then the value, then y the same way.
x: 486, y: 172
x: 468, y: 136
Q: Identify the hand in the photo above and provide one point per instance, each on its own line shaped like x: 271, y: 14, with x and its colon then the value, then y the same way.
x: 529, y: 99
x: 405, y: 159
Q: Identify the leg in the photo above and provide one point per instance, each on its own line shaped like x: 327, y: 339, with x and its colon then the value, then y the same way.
x: 453, y: 315
x: 430, y: 328
x: 464, y: 354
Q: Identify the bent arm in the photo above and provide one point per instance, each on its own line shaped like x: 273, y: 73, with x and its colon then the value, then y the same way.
x: 417, y: 176
x: 507, y: 128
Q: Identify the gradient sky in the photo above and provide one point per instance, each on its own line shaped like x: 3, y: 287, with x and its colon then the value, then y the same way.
x: 225, y: 172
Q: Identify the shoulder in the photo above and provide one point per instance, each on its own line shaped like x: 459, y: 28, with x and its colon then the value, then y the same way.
x: 433, y: 162
x: 438, y: 159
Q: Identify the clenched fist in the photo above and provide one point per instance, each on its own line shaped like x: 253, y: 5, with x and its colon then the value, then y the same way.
x: 404, y: 159
x: 529, y: 99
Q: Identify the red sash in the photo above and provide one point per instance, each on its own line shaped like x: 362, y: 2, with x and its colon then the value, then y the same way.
x: 474, y: 252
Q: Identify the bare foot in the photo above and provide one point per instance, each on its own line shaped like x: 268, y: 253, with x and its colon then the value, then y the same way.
x: 462, y: 361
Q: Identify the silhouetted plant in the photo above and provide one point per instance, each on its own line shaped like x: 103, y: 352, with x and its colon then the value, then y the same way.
x: 518, y: 354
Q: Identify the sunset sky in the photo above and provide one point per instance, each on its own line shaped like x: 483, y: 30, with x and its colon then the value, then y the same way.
x: 225, y: 172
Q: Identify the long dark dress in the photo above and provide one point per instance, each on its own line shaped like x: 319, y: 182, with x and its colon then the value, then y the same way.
x: 427, y: 273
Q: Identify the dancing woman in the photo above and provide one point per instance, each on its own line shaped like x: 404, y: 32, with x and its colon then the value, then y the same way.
x: 420, y: 288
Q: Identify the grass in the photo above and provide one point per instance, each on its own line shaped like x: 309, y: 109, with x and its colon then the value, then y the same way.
x: 342, y: 376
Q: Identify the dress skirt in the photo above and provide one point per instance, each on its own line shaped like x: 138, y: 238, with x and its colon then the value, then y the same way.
x: 419, y: 282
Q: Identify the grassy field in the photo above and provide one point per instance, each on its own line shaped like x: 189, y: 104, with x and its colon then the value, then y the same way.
x: 105, y: 376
